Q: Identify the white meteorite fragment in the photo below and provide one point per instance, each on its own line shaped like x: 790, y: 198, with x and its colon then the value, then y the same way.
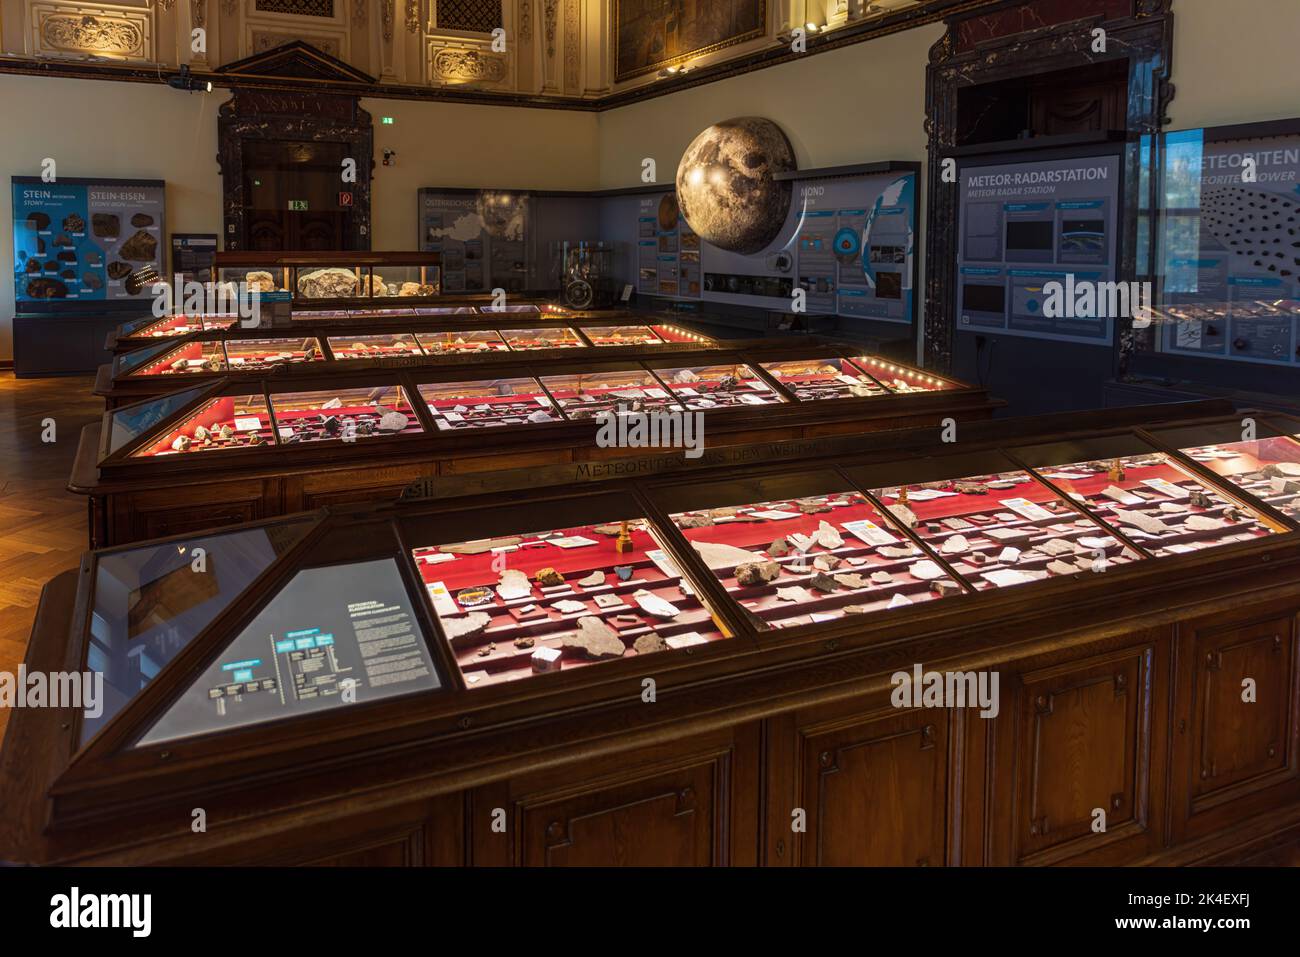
x: 827, y: 537
x: 459, y: 630
x: 652, y: 604
x: 593, y: 580
x: 926, y: 570
x: 513, y: 584
x: 392, y: 422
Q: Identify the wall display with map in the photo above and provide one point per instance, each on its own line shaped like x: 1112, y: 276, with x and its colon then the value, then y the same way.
x: 848, y: 241
x: 1228, y: 246
x: 1027, y: 227
x: 650, y: 34
x: 76, y: 240
x: 483, y: 236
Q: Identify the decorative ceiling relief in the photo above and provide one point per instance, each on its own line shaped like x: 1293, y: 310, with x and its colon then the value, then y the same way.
x: 465, y: 61
x: 61, y: 29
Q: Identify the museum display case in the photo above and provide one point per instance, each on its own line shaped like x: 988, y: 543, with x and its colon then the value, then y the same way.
x: 470, y: 414
x: 695, y: 652
x: 334, y: 278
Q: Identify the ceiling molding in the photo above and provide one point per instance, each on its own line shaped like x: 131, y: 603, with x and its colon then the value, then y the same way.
x: 323, y: 73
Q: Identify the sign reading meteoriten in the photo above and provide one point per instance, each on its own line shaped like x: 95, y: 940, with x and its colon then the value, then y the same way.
x: 1027, y: 228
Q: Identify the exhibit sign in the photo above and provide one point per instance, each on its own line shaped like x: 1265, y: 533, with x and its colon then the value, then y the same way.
x: 1229, y: 247
x: 76, y: 240
x: 848, y: 242
x: 481, y: 234
x: 193, y: 255
x: 1039, y: 249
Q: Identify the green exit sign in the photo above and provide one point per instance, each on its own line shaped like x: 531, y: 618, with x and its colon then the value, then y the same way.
x: 387, y: 121
x: 298, y: 205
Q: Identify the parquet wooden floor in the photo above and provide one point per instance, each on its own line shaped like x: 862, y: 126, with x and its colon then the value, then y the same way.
x: 43, y: 527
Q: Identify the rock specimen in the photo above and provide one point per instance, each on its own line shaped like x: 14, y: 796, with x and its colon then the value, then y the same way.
x: 898, y: 601
x: 1203, y: 523
x: 648, y: 644
x: 898, y: 551
x: 66, y: 256
x: 459, y: 631
x: 524, y: 641
x: 569, y: 607
x: 955, y: 544
x: 46, y: 288
x: 1148, y: 523
x: 795, y: 593
x: 1056, y: 546
x: 925, y: 570
x: 392, y: 422
x: 946, y: 587
x: 140, y: 220
x: 38, y: 220
x: 757, y: 573
x: 593, y: 580
x: 259, y: 280
x: 717, y: 555
x: 142, y: 247
x: 823, y: 582
x: 652, y: 604
x: 778, y: 548
x: 118, y: 270
x: 905, y: 516
x: 182, y: 443
x: 332, y: 282
x: 62, y: 240
x: 853, y: 580
x: 827, y: 536
x: 695, y: 521
x: 91, y: 280
x: 1058, y: 567
x: 548, y: 577
x: 595, y: 639
x: 880, y: 578
x: 417, y: 289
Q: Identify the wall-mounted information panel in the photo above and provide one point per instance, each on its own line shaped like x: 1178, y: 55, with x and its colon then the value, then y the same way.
x: 482, y: 236
x: 76, y: 240
x: 1038, y: 247
x: 847, y: 240
x: 1228, y: 245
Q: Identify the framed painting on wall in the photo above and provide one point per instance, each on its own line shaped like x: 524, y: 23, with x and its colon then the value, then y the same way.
x: 652, y: 34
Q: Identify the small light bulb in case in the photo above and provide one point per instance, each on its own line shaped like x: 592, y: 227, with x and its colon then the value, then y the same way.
x: 546, y: 659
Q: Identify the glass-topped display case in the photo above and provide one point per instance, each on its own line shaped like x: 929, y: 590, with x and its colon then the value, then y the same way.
x: 334, y: 277
x: 1265, y: 465
x: 823, y: 378
x: 539, y: 337
x: 375, y: 346
x: 343, y: 415
x: 169, y: 327
x: 630, y: 335
x: 255, y: 355
x: 711, y: 386
x: 457, y: 341
x: 485, y: 403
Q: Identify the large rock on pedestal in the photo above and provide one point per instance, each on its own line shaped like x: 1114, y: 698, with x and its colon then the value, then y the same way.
x: 333, y: 282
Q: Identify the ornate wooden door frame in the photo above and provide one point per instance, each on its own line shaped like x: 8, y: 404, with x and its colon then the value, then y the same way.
x: 1145, y: 40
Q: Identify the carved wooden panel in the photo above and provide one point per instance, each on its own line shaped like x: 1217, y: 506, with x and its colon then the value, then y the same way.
x: 1072, y: 767
x: 693, y: 803
x: 1231, y: 751
x: 63, y: 29
x: 875, y: 791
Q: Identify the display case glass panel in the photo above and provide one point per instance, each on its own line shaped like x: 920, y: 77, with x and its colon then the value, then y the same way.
x: 585, y: 394
x: 127, y: 424
x: 1267, y: 467
x: 166, y: 327
x: 374, y: 347
x: 185, y: 359
x: 332, y: 281
x: 811, y: 557
x: 250, y: 355
x: 405, y: 282
x: 149, y: 603
x: 458, y: 341
x: 524, y: 340
x: 268, y: 278
x: 223, y: 422
x: 485, y: 403
x: 1151, y: 498
x: 334, y: 636
x: 713, y: 386
x: 127, y: 361
x: 445, y: 311
x: 814, y: 379
x: 671, y: 333
x: 622, y: 336
x: 385, y: 313
x: 535, y: 602
x: 345, y: 415
x: 1004, y: 528
x: 900, y: 379
x: 520, y: 309
x: 308, y: 315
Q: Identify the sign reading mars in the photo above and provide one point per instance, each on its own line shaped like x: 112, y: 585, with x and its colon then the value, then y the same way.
x: 650, y: 34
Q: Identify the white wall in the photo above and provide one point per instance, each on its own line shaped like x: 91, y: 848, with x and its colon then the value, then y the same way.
x: 143, y: 131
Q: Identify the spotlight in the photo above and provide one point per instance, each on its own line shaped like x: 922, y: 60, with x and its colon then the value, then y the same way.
x: 188, y: 82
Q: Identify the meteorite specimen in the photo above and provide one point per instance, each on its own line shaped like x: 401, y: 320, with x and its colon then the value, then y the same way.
x: 595, y: 639
x: 118, y: 270
x: 73, y: 223
x: 392, y: 422
x: 105, y: 225
x: 459, y: 631
x: 141, y: 247
x: 66, y: 255
x: 778, y: 548
x: 92, y: 280
x: 823, y: 582
x: 757, y: 573
x: 46, y: 289
x: 33, y: 265
x: 68, y: 274
x: 330, y: 283
x: 648, y: 644
x: 654, y: 605
x: 417, y: 289
x: 593, y: 580
x: 62, y: 240
x: 548, y: 577
x: 38, y: 220
x: 140, y: 220
x: 259, y: 280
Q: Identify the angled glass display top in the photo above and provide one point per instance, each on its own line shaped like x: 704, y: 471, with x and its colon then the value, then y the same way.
x: 622, y: 336
x: 899, y: 378
x: 128, y: 423
x: 811, y: 556
x: 333, y: 636
x: 458, y: 341
x: 585, y: 394
x: 485, y: 403
x: 136, y: 357
x: 1152, y: 498
x: 150, y: 602
x: 223, y: 422
x: 814, y: 379
x: 251, y: 355
x: 1267, y: 466
x: 715, y: 386
x: 374, y: 346
x: 345, y: 415
x: 1002, y: 529
x: 535, y: 602
x: 188, y: 358
x: 525, y: 340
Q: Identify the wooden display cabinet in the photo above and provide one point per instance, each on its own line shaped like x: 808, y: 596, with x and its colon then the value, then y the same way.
x: 775, y: 739
x: 139, y: 488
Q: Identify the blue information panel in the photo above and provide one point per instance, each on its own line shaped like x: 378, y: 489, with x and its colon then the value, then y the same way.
x: 1039, y: 249
x: 76, y: 240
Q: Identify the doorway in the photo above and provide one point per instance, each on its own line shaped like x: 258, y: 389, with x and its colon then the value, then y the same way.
x: 295, y: 198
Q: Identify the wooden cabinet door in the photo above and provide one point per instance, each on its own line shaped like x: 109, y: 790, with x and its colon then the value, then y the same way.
x: 1073, y: 754
x: 867, y: 783
x: 1234, y: 757
x: 689, y: 803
